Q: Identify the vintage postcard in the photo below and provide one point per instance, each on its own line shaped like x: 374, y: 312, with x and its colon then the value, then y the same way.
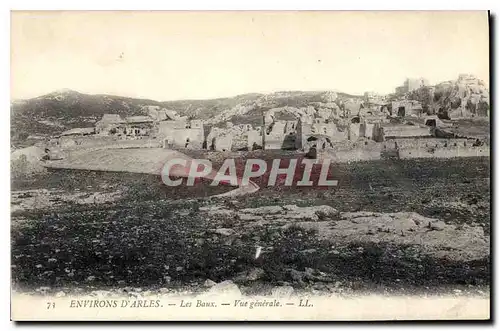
x: 252, y: 165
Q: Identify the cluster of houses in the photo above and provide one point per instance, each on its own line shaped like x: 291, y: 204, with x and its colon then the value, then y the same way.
x: 320, y: 125
x: 160, y: 124
x: 168, y: 129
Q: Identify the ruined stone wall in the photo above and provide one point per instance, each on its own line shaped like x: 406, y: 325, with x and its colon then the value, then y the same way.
x: 428, y: 142
x: 181, y: 134
x: 329, y: 129
x: 214, y: 132
x: 243, y: 136
x: 165, y: 127
x: 274, y: 141
x: 434, y: 147
x: 223, y: 143
x: 186, y: 138
x: 240, y: 140
x: 367, y: 130
x: 355, y: 131
x: 303, y: 129
x: 278, y: 128
x: 411, y: 107
x: 105, y: 129
x: 405, y: 131
x: 275, y: 136
x: 76, y: 142
x: 444, y: 152
x: 350, y: 151
x: 291, y: 127
x: 364, y: 150
x: 254, y: 139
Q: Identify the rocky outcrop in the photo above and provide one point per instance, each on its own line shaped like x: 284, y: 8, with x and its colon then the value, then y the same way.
x: 460, y: 243
x: 465, y: 97
x: 228, y: 114
x: 26, y: 161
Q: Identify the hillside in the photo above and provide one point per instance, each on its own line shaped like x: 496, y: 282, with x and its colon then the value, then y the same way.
x: 62, y: 110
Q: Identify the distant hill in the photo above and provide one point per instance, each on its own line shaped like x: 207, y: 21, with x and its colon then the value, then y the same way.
x: 58, y: 111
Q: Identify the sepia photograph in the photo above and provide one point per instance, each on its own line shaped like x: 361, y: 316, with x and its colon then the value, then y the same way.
x: 250, y: 165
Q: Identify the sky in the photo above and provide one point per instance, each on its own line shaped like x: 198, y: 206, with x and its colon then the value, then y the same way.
x: 201, y: 55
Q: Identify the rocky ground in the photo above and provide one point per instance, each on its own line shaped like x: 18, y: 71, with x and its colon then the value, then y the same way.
x: 416, y: 226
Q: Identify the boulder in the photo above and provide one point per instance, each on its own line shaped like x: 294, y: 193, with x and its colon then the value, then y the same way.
x: 225, y: 231
x: 251, y: 275
x: 282, y: 292
x: 437, y: 225
x: 209, y: 283
x: 226, y: 287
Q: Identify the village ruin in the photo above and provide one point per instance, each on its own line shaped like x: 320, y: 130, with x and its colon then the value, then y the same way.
x: 354, y: 128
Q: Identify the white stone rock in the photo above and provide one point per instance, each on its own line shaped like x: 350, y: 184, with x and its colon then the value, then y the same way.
x: 209, y: 283
x: 225, y: 231
x: 226, y: 287
x: 60, y: 294
x: 282, y: 292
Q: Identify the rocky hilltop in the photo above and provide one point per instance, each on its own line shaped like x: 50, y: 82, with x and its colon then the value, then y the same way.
x: 467, y: 96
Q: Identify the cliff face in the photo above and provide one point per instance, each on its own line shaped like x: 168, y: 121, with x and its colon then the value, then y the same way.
x: 465, y: 97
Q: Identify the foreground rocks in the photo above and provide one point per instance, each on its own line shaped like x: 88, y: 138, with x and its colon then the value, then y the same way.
x: 26, y: 161
x: 227, y: 288
x: 43, y: 198
x: 460, y: 243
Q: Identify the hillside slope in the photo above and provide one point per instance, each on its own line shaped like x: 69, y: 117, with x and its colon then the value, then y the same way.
x: 62, y: 110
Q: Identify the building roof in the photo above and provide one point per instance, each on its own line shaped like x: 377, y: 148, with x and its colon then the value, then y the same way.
x: 172, y: 114
x: 162, y: 115
x: 138, y: 119
x: 78, y: 132
x: 111, y: 118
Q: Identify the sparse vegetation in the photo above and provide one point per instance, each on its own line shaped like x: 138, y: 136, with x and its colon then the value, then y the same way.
x: 151, y: 238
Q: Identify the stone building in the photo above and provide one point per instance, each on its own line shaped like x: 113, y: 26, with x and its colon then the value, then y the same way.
x: 279, y: 134
x: 318, y: 127
x: 72, y: 137
x: 136, y: 126
x: 223, y: 143
x: 132, y: 126
x: 109, y: 124
x: 403, y: 108
x: 411, y: 84
x: 184, y: 134
x: 241, y: 136
x: 255, y: 139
